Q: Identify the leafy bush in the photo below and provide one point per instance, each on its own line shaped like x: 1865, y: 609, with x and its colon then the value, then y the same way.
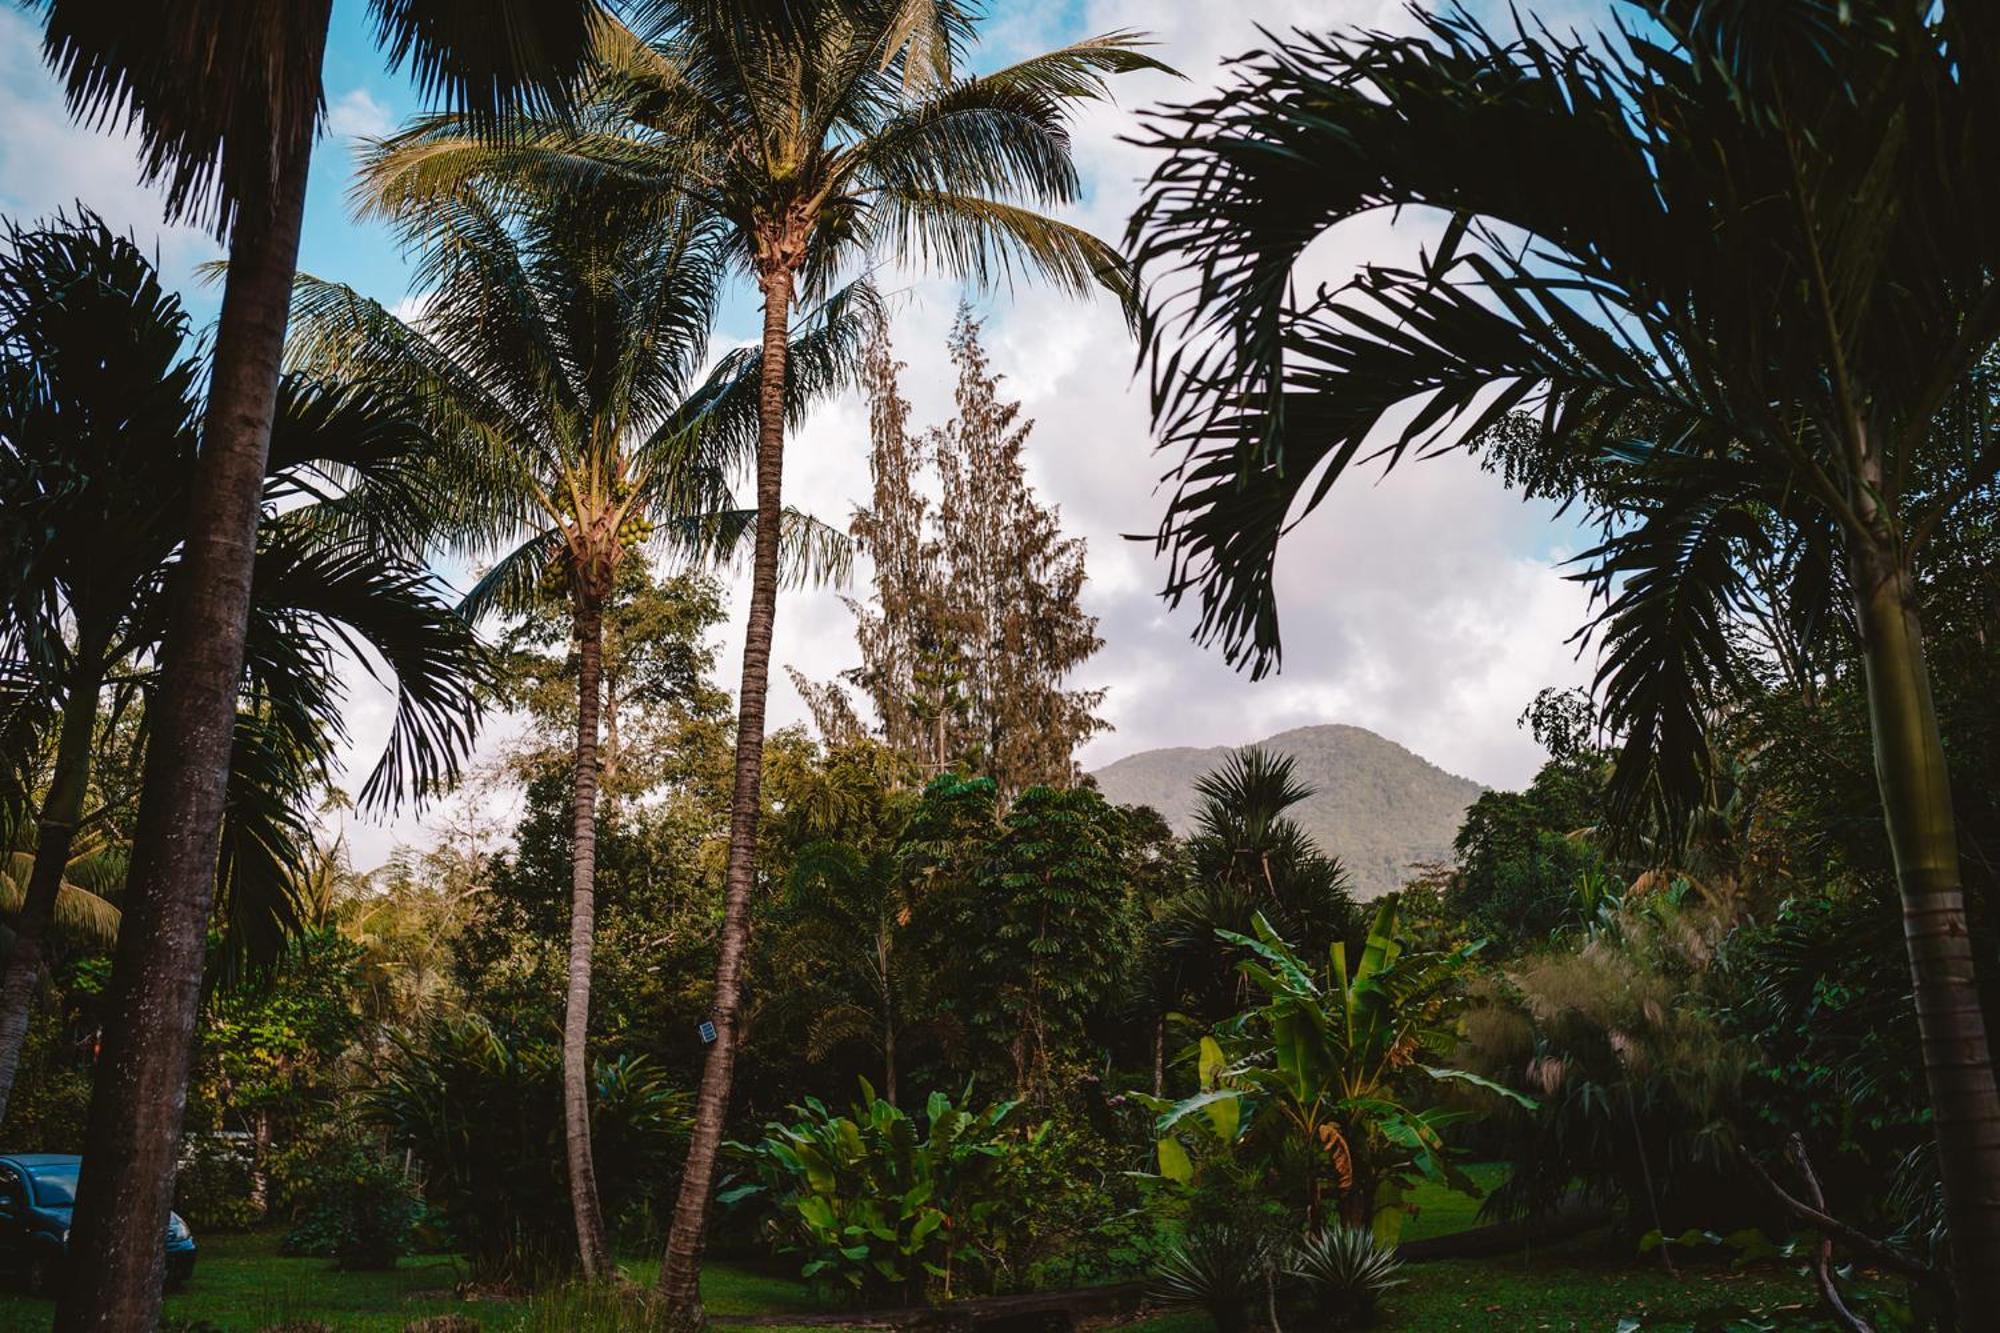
x: 354, y: 1207
x: 215, y: 1189
x: 876, y: 1209
x: 1345, y: 1271
x: 51, y: 1098
x: 482, y: 1112
x: 1084, y: 1215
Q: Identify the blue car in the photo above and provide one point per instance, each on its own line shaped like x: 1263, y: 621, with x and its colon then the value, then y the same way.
x: 37, y: 1192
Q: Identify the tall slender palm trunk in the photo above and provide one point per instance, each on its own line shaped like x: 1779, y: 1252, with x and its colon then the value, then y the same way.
x: 132, y: 1146
x: 886, y: 989
x: 55, y: 835
x: 680, y: 1274
x: 1923, y: 835
x: 592, y: 1249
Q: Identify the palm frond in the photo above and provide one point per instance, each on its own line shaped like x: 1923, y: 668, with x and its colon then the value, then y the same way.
x: 1669, y: 579
x: 309, y: 598
x: 715, y: 427
x: 82, y: 913
x: 990, y: 243
x: 1077, y: 72
x: 492, y: 60
x: 975, y: 137
x: 469, y: 474
x: 810, y: 553
x: 266, y: 834
x: 511, y: 585
x: 213, y: 90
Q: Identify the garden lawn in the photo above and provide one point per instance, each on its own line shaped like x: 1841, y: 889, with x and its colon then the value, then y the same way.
x: 1441, y: 1211
x: 242, y: 1283
x: 1528, y: 1295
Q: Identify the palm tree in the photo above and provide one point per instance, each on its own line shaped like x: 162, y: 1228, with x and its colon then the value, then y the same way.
x: 556, y: 361
x: 98, y: 405
x: 823, y: 133
x: 1246, y: 856
x: 83, y: 911
x: 227, y: 102
x: 1740, y: 260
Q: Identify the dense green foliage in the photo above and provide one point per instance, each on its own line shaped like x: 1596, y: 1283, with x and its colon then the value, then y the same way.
x: 1694, y: 974
x: 480, y: 1108
x: 874, y: 1203
x: 355, y: 1207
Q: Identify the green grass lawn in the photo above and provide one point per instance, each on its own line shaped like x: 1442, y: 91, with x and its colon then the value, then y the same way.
x: 1563, y: 1292
x: 243, y: 1284
x: 1475, y: 1296
x: 1441, y: 1211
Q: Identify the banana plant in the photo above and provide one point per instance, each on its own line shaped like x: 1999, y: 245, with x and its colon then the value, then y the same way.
x: 1338, y: 1061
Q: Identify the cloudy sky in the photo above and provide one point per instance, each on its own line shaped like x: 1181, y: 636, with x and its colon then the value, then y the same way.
x: 1427, y: 606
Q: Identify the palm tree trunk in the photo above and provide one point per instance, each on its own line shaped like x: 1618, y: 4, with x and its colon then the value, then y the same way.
x: 1160, y: 1054
x: 680, y: 1274
x: 888, y: 997
x: 1951, y: 1025
x: 132, y: 1144
x: 55, y: 834
x: 592, y: 1249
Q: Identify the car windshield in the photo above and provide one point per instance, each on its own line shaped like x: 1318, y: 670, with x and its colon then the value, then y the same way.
x: 55, y: 1185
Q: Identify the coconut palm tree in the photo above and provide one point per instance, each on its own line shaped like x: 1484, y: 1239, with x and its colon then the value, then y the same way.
x: 558, y: 361
x: 824, y: 133
x: 1740, y: 258
x: 99, y: 378
x: 226, y: 102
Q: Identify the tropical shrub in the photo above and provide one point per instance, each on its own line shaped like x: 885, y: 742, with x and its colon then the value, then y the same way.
x: 1325, y: 1072
x: 875, y: 1209
x: 1815, y: 993
x: 355, y: 1207
x: 481, y: 1111
x: 51, y: 1098
x: 1345, y: 1271
x: 215, y: 1187
x: 1084, y: 1215
x: 1637, y: 1086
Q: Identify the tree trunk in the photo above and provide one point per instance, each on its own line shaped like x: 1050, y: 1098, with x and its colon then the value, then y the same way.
x: 260, y: 1160
x: 1916, y: 806
x: 133, y: 1140
x: 1160, y: 1055
x: 55, y: 835
x: 888, y: 996
x: 592, y: 1249
x: 680, y: 1274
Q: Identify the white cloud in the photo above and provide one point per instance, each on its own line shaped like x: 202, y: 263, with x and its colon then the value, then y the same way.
x: 1422, y: 606
x: 49, y: 163
x: 356, y: 114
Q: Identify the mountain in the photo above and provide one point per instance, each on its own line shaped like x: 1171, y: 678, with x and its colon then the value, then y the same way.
x: 1375, y: 805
